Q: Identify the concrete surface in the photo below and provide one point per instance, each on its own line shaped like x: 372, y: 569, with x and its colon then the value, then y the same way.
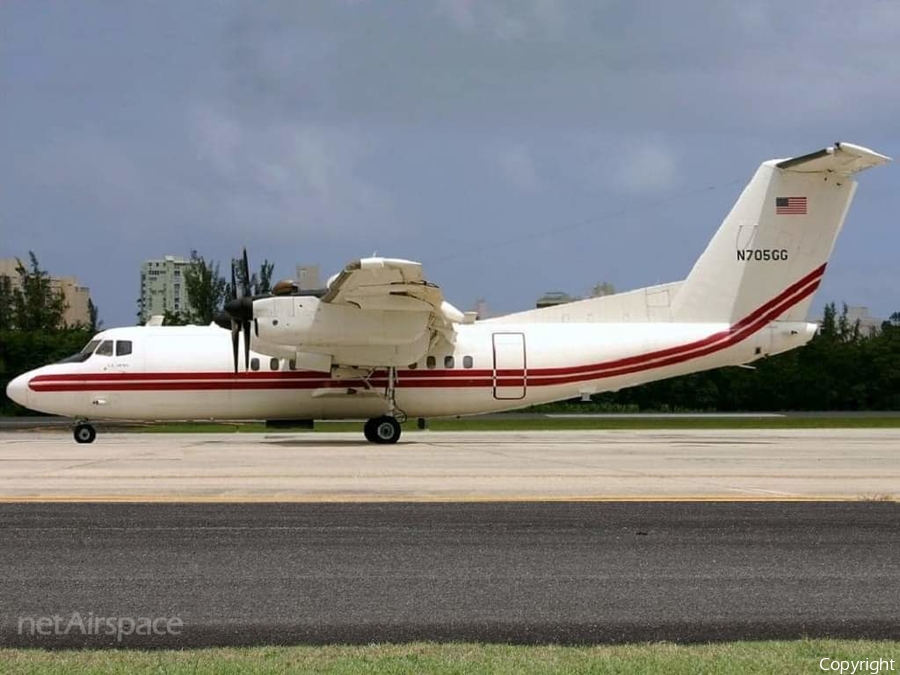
x: 468, y: 466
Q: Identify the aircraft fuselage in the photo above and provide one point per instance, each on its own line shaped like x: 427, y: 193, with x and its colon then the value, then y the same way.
x: 179, y: 373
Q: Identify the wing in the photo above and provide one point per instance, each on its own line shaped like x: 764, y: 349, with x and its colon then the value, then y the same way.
x: 393, y: 284
x: 377, y: 312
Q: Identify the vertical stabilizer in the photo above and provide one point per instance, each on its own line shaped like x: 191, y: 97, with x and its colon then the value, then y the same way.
x: 770, y: 252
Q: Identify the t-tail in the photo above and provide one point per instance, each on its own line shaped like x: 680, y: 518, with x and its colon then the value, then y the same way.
x: 768, y: 257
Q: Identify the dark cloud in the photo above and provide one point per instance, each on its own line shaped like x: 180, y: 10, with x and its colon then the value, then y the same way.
x: 513, y: 146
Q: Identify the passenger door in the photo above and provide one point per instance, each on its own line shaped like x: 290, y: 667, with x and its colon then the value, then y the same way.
x: 510, y: 366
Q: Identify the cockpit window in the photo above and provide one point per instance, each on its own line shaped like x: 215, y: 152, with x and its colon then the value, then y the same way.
x: 84, y: 354
x: 105, y: 348
x: 123, y: 347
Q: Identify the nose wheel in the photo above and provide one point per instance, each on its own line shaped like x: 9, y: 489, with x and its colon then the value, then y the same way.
x: 84, y: 433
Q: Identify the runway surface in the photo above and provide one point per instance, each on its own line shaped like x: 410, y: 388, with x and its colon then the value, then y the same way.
x: 456, y: 466
x: 520, y: 572
x: 24, y: 422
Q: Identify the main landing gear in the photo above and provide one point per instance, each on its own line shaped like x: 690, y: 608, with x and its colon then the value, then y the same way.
x: 84, y: 433
x: 383, y: 429
x: 386, y: 429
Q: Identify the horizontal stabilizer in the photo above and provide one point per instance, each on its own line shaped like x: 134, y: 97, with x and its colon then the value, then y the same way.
x: 843, y: 159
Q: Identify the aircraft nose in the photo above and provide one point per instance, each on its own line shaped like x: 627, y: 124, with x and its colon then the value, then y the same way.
x: 17, y: 390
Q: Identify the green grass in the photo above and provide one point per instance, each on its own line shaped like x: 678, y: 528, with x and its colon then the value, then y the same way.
x: 558, y: 424
x: 738, y: 657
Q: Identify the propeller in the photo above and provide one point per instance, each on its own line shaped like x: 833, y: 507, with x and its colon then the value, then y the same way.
x: 237, y: 315
x: 240, y: 309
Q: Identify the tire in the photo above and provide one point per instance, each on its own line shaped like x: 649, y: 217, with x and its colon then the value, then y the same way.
x: 84, y: 433
x: 369, y: 431
x: 383, y: 430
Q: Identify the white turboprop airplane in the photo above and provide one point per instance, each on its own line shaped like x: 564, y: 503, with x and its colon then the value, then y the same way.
x: 381, y: 343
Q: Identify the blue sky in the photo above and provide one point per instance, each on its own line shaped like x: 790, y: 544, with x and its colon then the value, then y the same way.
x: 512, y: 147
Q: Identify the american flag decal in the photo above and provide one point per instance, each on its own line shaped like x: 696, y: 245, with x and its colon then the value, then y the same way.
x: 790, y: 206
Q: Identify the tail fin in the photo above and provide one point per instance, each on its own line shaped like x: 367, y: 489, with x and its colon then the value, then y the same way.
x: 769, y: 254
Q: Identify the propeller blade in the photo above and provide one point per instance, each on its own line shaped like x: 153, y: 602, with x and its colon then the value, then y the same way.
x: 238, y: 311
x: 245, y: 273
x: 246, y: 345
x: 235, y: 332
x: 234, y: 289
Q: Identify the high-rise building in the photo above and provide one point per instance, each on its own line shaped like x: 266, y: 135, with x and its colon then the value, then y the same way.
x: 308, y: 277
x: 163, y: 288
x: 481, y: 309
x: 76, y: 296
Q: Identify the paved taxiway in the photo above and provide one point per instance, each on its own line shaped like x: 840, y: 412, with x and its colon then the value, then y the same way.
x: 522, y: 572
x: 549, y: 465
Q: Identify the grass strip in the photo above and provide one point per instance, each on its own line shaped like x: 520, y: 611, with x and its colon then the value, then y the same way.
x: 743, y: 658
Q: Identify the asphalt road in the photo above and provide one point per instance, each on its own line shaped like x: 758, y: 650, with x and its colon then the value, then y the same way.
x: 246, y: 574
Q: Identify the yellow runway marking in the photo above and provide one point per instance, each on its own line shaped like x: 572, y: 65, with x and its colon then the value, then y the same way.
x: 375, y: 499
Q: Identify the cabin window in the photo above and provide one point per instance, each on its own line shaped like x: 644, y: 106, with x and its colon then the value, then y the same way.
x: 431, y: 362
x: 105, y: 348
x: 413, y: 366
x: 292, y: 364
x: 273, y: 364
x: 468, y: 362
x: 449, y: 362
x: 254, y: 363
x: 123, y: 347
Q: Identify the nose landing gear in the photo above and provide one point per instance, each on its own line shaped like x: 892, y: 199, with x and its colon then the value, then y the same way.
x: 84, y: 433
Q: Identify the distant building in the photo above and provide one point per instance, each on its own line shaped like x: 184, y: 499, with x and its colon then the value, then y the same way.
x: 163, y: 288
x: 868, y: 325
x: 76, y: 296
x: 553, y: 298
x: 603, y: 289
x: 308, y: 277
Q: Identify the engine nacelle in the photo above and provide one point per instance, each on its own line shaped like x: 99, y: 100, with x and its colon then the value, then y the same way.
x: 289, y: 327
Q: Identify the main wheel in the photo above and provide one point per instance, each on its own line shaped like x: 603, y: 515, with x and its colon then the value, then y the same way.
x: 84, y: 433
x: 369, y: 431
x: 383, y: 430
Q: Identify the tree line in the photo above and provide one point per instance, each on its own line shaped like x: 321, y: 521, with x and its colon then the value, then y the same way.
x: 30, y: 301
x: 33, y: 329
x: 840, y: 369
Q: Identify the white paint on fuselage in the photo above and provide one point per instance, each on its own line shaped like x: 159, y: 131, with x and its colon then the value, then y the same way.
x: 187, y: 355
